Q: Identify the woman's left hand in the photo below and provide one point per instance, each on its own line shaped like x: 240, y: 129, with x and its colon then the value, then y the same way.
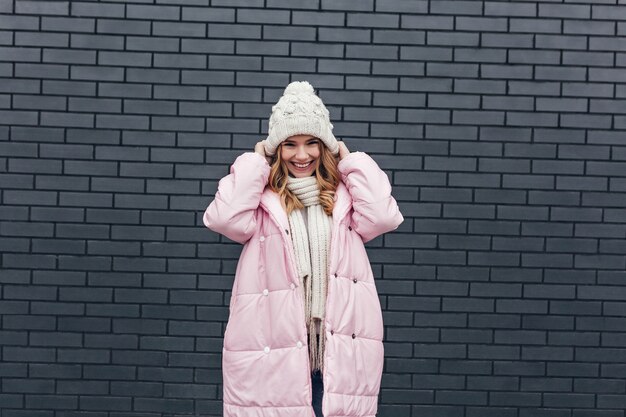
x: 343, y: 150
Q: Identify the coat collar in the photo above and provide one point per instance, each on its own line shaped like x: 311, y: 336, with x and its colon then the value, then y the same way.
x: 271, y: 202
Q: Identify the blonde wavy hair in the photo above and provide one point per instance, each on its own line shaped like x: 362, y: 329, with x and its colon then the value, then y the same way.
x: 325, y: 172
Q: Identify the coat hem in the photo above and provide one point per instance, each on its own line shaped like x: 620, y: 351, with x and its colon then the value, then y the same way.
x: 266, y: 406
x: 235, y: 410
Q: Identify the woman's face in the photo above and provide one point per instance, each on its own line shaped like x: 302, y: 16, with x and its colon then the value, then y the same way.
x: 300, y: 153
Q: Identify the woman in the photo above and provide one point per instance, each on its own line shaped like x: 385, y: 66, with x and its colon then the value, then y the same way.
x: 304, y: 303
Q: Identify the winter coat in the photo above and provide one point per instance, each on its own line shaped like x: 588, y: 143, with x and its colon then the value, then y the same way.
x: 265, y: 361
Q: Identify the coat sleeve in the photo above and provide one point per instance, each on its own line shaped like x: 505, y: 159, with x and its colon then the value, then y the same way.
x: 233, y: 211
x: 375, y: 211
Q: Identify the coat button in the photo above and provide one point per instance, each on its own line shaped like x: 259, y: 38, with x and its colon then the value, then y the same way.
x: 350, y: 228
x: 262, y: 238
x: 332, y: 332
x: 354, y: 280
x: 293, y: 285
x: 287, y: 231
x: 335, y: 275
x: 299, y: 344
x: 267, y: 349
x: 353, y: 335
x: 266, y: 292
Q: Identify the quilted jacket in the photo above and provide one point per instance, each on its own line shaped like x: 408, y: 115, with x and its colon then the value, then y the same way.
x: 265, y: 363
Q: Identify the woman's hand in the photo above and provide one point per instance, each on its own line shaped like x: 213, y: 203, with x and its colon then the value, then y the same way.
x: 343, y: 150
x: 260, y: 149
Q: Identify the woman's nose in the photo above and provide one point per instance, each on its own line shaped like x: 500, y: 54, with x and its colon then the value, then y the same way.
x: 301, y: 152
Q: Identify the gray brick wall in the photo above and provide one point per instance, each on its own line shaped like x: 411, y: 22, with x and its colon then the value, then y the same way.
x: 502, y: 125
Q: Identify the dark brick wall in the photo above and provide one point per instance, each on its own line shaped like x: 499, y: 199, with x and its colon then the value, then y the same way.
x: 502, y: 125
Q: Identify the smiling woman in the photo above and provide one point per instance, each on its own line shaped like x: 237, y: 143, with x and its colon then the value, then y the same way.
x: 304, y: 297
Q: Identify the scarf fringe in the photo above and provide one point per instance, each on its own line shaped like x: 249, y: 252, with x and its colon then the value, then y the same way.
x: 316, y: 345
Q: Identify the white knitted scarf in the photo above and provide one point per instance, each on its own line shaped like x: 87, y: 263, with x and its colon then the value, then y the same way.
x: 311, y: 250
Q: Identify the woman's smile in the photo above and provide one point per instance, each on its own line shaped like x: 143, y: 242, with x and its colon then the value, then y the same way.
x: 300, y: 153
x: 302, y: 167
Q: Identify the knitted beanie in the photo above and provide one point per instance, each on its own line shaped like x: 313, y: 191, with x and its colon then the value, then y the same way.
x: 299, y: 112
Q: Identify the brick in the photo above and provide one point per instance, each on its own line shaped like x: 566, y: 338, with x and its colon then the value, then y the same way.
x: 15, y: 117
x: 67, y: 119
x: 179, y: 61
x: 85, y: 199
x: 114, y: 215
x: 127, y: 59
x: 146, y: 169
x: 58, y: 246
x: 113, y: 248
x: 121, y: 122
x: 205, y: 14
x: 139, y: 389
x: 16, y: 276
x: 510, y: 9
x: 98, y: 41
x: 94, y: 104
x: 179, y: 29
x: 57, y: 308
x: 54, y: 371
x: 39, y: 8
x: 82, y: 387
x: 152, y: 75
x: 66, y: 87
x: 121, y: 153
x: 55, y: 339
x: 42, y: 39
x: 25, y: 22
x: 28, y: 354
x: 138, y: 264
x: 63, y: 23
x: 166, y: 281
x: 110, y: 403
x: 168, y: 405
x: 171, y: 312
x: 140, y: 326
x: 169, y: 374
x: 111, y: 341
x: 197, y: 329
x: 137, y: 357
x: 150, y: 44
x: 120, y: 26
x: 13, y: 337
x: 52, y: 401
x: 263, y: 16
x: 16, y: 385
x: 153, y: 12
x: 68, y: 56
x: 13, y: 307
x: 39, y: 103
x: 98, y: 10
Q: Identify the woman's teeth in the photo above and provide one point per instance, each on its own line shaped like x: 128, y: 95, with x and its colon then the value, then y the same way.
x: 302, y: 165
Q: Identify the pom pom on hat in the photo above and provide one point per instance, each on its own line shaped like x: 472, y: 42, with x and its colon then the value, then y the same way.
x: 299, y: 87
x: 299, y: 111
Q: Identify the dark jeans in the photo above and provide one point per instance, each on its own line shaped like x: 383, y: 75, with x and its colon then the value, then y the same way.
x: 318, y: 392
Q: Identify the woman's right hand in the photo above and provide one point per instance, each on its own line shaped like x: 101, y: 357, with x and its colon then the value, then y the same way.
x: 260, y: 149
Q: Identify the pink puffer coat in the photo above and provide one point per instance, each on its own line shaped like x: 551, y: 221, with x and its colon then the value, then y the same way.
x: 265, y: 363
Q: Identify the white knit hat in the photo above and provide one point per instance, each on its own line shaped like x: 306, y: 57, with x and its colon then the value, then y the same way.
x: 299, y: 112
